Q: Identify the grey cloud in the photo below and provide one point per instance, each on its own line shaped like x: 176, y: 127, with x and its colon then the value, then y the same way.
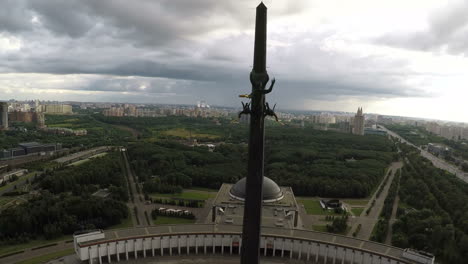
x: 63, y: 17
x: 14, y: 16
x: 448, y: 29
x: 158, y: 42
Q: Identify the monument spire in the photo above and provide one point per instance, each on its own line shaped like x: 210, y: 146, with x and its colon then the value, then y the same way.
x: 257, y: 109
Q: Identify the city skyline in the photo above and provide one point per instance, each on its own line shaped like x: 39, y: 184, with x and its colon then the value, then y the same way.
x: 325, y: 57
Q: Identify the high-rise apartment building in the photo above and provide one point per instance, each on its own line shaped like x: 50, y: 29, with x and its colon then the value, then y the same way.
x: 3, y: 115
x: 55, y: 109
x: 358, y: 123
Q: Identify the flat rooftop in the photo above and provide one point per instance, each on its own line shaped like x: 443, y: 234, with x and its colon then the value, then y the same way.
x: 274, y: 214
x: 164, y: 230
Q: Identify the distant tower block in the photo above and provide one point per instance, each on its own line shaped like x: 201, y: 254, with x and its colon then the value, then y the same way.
x: 3, y: 115
x: 358, y: 124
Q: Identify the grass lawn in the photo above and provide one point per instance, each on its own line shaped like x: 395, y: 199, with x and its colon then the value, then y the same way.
x: 312, y: 206
x: 64, y: 125
x: 167, y: 220
x: 356, y: 202
x: 48, y: 257
x: 33, y: 243
x: 357, y: 211
x: 76, y: 163
x: 204, y: 189
x: 19, y: 181
x: 184, y: 133
x: 187, y: 194
x: 319, y: 228
x: 4, y: 200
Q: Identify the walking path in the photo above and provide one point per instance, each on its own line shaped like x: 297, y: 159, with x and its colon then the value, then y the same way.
x: 368, y: 221
x: 388, y: 239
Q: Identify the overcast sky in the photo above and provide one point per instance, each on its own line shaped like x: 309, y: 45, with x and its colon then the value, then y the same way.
x: 395, y: 57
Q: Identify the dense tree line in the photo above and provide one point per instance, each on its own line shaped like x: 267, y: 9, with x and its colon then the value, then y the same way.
x: 327, y: 164
x: 99, y: 134
x: 434, y: 217
x: 167, y: 167
x: 51, y: 216
x: 312, y: 162
x: 99, y: 172
x: 65, y: 203
x: 152, y: 127
x: 339, y: 224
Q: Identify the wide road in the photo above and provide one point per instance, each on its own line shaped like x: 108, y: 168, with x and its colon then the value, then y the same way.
x: 437, y: 162
x: 139, y: 219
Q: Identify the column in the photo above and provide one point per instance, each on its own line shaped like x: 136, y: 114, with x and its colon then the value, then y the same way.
x: 213, y: 242
x: 117, y: 251
x: 353, y: 253
x: 161, y: 245
x: 334, y: 256
x: 204, y: 244
x: 108, y: 254
x: 318, y: 252
x: 222, y: 245
x: 135, y: 252
x: 152, y: 246
x: 274, y: 246
x: 178, y: 244
x: 230, y: 246
x: 126, y: 249
x: 309, y: 246
x: 292, y: 247
x: 90, y: 259
x: 196, y: 244
x: 99, y: 253
x: 345, y: 250
x: 170, y: 245
x: 144, y: 248
x: 326, y: 254
x: 300, y: 250
x: 240, y: 245
x: 187, y: 244
x: 282, y: 249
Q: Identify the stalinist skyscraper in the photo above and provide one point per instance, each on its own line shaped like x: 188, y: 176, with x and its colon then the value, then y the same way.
x: 358, y: 124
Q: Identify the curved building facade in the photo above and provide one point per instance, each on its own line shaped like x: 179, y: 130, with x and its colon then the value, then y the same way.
x: 308, y: 246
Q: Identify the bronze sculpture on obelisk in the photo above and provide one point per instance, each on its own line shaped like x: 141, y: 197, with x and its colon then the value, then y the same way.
x: 257, y: 109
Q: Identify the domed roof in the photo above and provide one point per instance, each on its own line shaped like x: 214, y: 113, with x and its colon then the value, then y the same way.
x: 271, y: 190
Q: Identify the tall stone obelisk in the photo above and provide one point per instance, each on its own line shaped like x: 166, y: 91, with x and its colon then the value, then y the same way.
x: 257, y: 109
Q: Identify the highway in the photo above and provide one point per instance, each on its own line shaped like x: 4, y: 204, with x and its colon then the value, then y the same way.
x: 437, y: 162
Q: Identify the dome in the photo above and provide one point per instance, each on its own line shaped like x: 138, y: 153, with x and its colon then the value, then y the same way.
x: 271, y: 190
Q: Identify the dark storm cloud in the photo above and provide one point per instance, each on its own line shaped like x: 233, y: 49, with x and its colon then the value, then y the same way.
x: 14, y: 16
x: 63, y: 17
x: 169, y: 41
x: 447, y: 29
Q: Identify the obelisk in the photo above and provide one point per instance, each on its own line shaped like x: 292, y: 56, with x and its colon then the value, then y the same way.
x: 253, y: 201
